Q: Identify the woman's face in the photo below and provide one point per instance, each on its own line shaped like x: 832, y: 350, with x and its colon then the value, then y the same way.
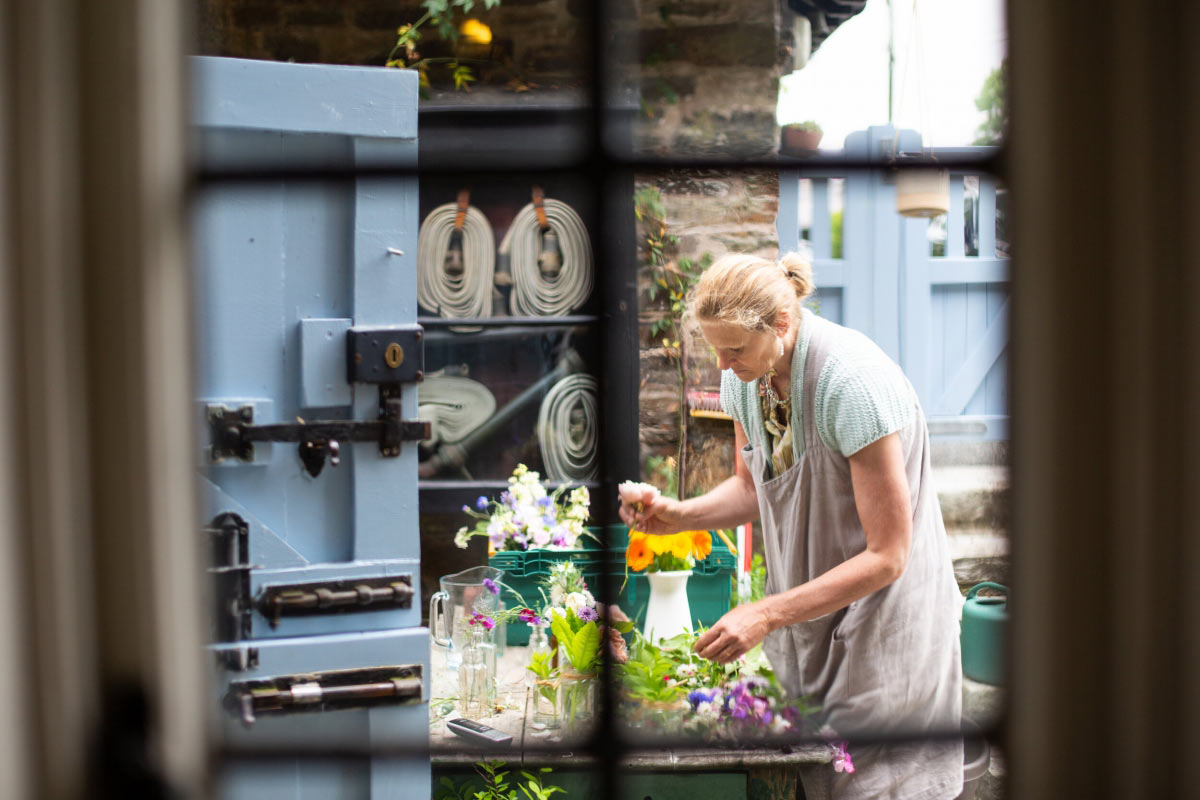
x: 750, y: 354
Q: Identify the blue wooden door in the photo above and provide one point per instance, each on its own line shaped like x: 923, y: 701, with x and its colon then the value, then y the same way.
x: 305, y: 314
x: 936, y: 305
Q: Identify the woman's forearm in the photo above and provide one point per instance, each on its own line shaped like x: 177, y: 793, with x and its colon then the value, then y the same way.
x: 730, y: 503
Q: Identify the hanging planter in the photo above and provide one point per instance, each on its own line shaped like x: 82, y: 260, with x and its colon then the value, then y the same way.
x: 922, y: 193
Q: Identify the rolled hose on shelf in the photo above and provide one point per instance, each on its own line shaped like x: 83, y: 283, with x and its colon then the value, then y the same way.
x: 567, y: 429
x: 450, y: 295
x: 454, y: 456
x: 535, y: 294
x: 453, y: 406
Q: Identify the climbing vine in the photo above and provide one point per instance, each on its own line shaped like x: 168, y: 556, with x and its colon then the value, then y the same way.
x: 671, y: 279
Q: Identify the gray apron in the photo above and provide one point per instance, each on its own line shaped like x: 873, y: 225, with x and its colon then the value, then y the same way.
x: 889, y: 662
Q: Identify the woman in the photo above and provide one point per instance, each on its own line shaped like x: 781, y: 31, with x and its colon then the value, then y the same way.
x: 833, y: 459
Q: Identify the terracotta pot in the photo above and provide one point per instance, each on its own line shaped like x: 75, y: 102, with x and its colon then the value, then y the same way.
x: 797, y: 141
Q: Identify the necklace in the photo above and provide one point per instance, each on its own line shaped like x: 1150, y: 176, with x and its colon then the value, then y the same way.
x: 767, y: 389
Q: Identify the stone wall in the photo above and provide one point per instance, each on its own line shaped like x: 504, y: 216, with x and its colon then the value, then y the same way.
x: 711, y: 212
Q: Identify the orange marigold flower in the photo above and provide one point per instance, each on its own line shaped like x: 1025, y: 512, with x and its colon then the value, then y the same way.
x: 638, y: 555
x: 701, y: 543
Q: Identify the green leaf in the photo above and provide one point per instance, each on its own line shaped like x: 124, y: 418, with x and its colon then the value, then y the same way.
x: 434, y: 7
x: 623, y: 627
x: 585, y: 647
x: 490, y: 4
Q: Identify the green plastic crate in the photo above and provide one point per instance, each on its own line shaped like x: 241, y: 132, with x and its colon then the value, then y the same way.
x: 708, y: 586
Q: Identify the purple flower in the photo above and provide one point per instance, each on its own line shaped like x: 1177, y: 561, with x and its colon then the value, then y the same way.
x: 528, y: 615
x: 698, y: 696
x: 491, y: 586
x: 481, y: 503
x: 506, y: 498
x: 481, y: 619
x: 466, y: 507
x: 545, y: 502
x: 587, y: 614
x: 559, y: 540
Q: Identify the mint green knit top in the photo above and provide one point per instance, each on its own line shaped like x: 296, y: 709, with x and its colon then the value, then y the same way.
x: 861, y: 394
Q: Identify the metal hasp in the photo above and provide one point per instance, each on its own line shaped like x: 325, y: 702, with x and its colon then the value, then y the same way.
x: 325, y: 691
x: 385, y: 355
x: 233, y: 433
x: 324, y: 597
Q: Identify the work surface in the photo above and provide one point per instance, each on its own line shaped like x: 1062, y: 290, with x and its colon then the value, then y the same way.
x: 774, y: 766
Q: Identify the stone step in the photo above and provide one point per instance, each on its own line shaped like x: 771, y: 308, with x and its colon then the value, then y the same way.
x: 973, y: 496
x: 979, y: 554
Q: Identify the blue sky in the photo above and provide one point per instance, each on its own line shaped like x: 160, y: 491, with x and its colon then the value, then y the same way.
x: 944, y: 50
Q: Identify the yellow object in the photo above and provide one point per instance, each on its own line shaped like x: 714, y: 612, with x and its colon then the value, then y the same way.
x: 475, y: 31
x: 725, y: 538
x: 644, y: 547
x: 699, y: 412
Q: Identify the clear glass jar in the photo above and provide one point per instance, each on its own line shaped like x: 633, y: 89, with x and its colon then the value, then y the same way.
x: 473, y: 678
x: 545, y: 690
x: 576, y: 698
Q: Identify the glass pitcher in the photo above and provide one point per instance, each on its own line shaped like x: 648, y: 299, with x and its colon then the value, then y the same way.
x: 449, y: 609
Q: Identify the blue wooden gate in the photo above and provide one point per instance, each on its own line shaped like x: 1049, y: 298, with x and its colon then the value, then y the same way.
x: 306, y: 312
x: 934, y: 295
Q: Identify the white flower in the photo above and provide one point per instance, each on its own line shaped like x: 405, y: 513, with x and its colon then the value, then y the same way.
x: 779, y: 724
x: 577, y: 601
x: 634, y: 492
x: 539, y: 534
x: 685, y: 670
x: 557, y: 596
x: 462, y: 538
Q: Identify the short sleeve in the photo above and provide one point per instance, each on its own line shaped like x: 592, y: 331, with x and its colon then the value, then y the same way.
x: 733, y: 398
x: 861, y: 397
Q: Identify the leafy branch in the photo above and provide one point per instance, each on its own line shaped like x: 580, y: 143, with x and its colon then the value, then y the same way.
x: 671, y: 279
x: 440, y: 14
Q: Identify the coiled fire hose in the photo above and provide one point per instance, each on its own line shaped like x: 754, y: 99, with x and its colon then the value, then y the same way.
x: 454, y: 406
x: 567, y: 429
x: 456, y: 261
x: 550, y: 259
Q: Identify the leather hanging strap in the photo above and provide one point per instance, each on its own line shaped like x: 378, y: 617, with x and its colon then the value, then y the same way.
x: 539, y: 207
x: 464, y: 200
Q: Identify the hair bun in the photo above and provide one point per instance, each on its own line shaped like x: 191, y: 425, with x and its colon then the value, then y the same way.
x: 799, y: 272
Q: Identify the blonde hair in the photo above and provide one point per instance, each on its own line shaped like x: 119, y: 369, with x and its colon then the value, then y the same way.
x: 749, y: 291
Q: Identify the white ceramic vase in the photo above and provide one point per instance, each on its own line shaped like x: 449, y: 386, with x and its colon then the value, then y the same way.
x: 668, y: 614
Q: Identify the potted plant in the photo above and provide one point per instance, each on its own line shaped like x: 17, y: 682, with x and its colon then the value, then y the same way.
x: 801, y: 139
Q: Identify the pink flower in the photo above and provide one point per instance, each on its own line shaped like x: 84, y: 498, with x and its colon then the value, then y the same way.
x: 841, y: 758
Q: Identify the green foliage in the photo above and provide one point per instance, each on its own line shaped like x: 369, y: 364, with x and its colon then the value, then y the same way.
x: 644, y: 675
x: 579, y: 640
x: 992, y: 102
x: 541, y: 665
x: 496, y: 785
x: 810, y: 125
x: 441, y: 14
x: 663, y: 468
x: 757, y: 578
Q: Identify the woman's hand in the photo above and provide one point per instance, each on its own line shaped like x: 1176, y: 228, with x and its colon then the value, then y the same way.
x: 644, y: 509
x: 735, y: 634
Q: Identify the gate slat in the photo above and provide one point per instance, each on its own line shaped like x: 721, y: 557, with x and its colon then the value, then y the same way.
x: 965, y: 383
x: 821, y: 232
x: 987, y: 217
x: 954, y: 219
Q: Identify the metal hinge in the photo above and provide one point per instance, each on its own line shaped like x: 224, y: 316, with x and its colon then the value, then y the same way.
x: 334, y: 596
x: 325, y: 691
x: 233, y: 433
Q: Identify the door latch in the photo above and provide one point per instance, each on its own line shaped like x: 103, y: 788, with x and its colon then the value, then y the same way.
x: 326, y: 597
x: 233, y: 432
x: 325, y: 691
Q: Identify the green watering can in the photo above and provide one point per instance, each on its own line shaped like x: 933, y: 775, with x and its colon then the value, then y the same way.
x: 983, y: 623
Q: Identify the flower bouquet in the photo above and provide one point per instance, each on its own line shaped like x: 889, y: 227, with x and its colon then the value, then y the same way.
x: 527, y: 516
x: 575, y: 621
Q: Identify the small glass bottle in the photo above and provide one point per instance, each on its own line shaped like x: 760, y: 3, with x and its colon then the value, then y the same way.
x: 487, y: 646
x: 545, y: 691
x: 473, y: 678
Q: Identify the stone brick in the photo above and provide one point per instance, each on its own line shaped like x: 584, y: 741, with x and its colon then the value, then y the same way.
x: 323, y: 15
x: 712, y: 45
x: 286, y: 47
x: 255, y: 13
